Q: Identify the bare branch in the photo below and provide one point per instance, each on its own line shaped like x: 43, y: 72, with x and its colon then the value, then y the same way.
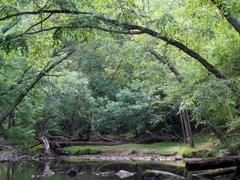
x: 45, y: 11
x: 38, y: 23
x: 166, y: 62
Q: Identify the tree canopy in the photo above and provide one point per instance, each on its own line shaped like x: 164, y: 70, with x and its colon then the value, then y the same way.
x: 118, y: 66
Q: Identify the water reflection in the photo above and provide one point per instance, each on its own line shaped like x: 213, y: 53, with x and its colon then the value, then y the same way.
x: 61, y: 170
x: 85, y: 170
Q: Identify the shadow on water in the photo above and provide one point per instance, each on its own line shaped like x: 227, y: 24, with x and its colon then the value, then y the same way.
x: 83, y: 170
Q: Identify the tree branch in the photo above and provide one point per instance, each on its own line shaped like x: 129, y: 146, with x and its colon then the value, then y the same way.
x: 19, y: 81
x: 45, y: 11
x: 22, y: 95
x: 131, y: 29
x: 166, y: 62
x: 38, y: 23
x: 231, y: 18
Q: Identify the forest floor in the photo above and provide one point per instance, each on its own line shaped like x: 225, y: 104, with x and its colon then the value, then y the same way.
x: 205, y: 146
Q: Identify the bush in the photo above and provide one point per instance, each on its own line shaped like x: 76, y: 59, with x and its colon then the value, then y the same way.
x: 21, y: 136
x: 134, y: 151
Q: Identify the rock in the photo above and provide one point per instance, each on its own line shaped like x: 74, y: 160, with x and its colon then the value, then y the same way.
x: 72, y: 172
x: 108, y: 173
x: 178, y: 158
x: 124, y: 174
x: 164, y: 174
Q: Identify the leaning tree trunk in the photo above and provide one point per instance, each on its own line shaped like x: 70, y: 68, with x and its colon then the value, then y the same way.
x: 184, y: 118
x: 212, y: 163
x: 11, y: 120
x: 171, y: 66
x: 186, y: 128
x: 46, y: 145
x: 218, y: 133
x: 230, y: 17
x: 22, y: 95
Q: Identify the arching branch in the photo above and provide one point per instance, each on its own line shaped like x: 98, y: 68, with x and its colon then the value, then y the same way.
x: 230, y: 17
x: 166, y: 62
x: 31, y: 85
x: 45, y: 11
x: 125, y: 28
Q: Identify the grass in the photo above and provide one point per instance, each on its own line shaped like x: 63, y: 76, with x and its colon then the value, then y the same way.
x: 80, y: 150
x: 204, y: 145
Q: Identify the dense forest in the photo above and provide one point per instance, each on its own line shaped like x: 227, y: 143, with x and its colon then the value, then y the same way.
x: 120, y: 71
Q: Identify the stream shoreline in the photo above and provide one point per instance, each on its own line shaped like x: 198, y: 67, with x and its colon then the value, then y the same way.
x: 14, y: 157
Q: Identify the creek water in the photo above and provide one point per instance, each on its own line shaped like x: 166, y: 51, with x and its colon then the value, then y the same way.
x: 86, y: 170
x: 81, y: 170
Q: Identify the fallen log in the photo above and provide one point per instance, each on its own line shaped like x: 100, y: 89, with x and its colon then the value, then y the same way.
x: 60, y: 138
x: 149, y: 137
x: 157, y: 173
x: 67, y: 138
x: 105, y: 138
x: 72, y: 143
x: 2, y: 147
x: 212, y: 163
x: 161, y: 138
x: 215, y: 173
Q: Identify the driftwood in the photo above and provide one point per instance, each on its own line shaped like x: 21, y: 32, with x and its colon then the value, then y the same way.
x: 6, y: 147
x: 98, y: 139
x: 149, y: 137
x: 157, y: 173
x: 105, y: 138
x: 72, y: 172
x: 72, y: 143
x: 60, y: 138
x: 46, y: 144
x: 212, y: 163
x: 214, y: 173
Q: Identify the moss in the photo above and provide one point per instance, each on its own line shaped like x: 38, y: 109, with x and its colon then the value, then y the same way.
x: 36, y: 149
x: 134, y: 151
x: 199, y: 153
x: 81, y: 150
x: 147, y: 172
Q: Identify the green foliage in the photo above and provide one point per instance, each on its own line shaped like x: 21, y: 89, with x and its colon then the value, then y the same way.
x: 111, y: 83
x: 130, y: 111
x: 81, y: 150
x: 23, y: 137
x: 212, y: 102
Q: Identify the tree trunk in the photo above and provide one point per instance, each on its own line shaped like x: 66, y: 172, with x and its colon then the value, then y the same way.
x: 218, y: 133
x: 231, y: 18
x: 219, y: 172
x: 184, y: 118
x: 11, y: 120
x: 190, y: 138
x: 165, y: 61
x: 46, y: 145
x: 183, y: 129
x: 186, y: 128
x: 212, y: 163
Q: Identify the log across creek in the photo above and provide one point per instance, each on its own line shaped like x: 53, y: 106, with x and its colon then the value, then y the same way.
x: 212, y: 163
x: 212, y: 167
